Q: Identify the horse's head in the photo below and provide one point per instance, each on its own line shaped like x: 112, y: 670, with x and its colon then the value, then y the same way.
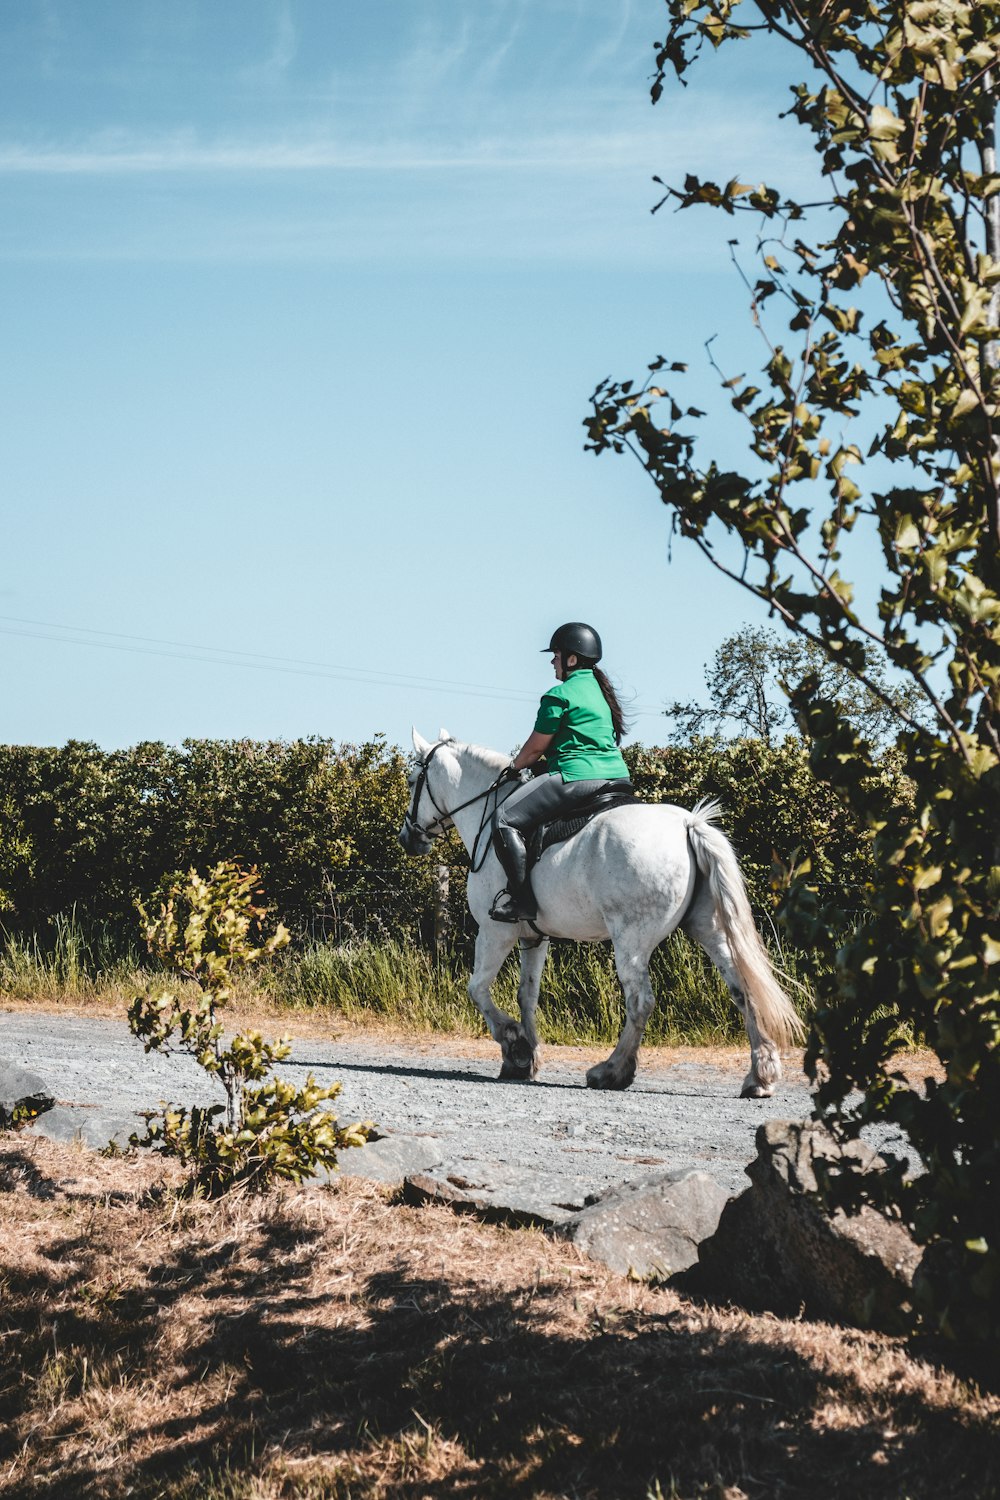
x: 424, y: 818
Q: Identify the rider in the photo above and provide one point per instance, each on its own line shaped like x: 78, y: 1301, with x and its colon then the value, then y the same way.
x: 578, y: 730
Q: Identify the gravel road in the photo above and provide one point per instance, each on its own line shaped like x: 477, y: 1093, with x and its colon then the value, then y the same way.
x: 439, y: 1109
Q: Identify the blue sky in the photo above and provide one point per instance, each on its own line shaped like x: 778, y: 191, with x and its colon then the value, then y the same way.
x: 303, y: 303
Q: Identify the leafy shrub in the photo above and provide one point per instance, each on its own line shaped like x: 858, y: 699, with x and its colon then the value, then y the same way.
x: 779, y: 816
x: 91, y: 832
x: 902, y: 377
x: 85, y: 834
x: 206, y: 930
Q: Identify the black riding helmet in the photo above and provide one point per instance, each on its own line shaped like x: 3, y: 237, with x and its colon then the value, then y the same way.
x: 576, y: 639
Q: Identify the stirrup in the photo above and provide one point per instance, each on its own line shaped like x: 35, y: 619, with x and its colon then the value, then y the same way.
x: 506, y: 908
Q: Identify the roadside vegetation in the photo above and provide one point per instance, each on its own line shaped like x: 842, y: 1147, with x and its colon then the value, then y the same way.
x: 205, y: 932
x: 376, y: 935
x: 402, y: 985
x: 85, y: 833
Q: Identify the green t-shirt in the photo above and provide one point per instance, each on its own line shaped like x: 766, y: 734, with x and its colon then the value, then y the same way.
x: 575, y: 714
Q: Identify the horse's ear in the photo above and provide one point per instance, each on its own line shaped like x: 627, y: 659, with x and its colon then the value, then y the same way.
x: 420, y: 745
x: 444, y: 735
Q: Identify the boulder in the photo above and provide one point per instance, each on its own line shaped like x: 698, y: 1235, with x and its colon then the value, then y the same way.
x: 23, y: 1095
x: 502, y: 1193
x: 650, y: 1227
x: 777, y: 1249
x: 389, y: 1158
x: 88, y: 1126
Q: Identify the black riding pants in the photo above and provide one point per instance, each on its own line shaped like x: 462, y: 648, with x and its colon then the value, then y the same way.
x: 543, y: 799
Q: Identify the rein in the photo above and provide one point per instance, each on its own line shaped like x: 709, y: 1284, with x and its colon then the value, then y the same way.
x: 427, y: 832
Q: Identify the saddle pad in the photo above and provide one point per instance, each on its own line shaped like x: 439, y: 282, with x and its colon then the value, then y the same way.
x: 564, y: 828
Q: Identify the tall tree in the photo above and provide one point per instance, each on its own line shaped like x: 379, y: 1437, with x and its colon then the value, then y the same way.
x: 753, y: 671
x: 889, y: 290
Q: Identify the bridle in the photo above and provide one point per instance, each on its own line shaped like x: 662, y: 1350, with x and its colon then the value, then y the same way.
x: 426, y: 832
x: 409, y: 821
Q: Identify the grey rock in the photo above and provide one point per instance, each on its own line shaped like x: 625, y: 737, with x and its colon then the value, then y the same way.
x: 650, y: 1227
x: 95, y: 1128
x: 22, y: 1094
x: 777, y: 1249
x: 390, y: 1158
x: 501, y: 1193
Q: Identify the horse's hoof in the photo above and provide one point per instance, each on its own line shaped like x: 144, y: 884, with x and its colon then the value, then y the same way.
x: 518, y: 1059
x: 756, y: 1091
x: 521, y: 1053
x: 510, y: 1074
x: 599, y: 1079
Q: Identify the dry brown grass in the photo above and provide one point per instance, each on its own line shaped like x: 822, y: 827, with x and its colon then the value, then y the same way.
x: 335, y: 1343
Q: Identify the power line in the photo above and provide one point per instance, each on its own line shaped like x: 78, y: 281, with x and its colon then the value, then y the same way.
x: 225, y: 656
x: 222, y: 656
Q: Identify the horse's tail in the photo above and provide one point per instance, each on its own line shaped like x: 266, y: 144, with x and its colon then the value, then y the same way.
x: 717, y: 863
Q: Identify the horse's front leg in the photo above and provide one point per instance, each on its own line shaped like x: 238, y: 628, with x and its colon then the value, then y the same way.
x: 525, y: 1054
x: 494, y: 942
x: 632, y: 963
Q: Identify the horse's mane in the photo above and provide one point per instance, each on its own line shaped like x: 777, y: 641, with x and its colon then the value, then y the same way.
x: 490, y: 760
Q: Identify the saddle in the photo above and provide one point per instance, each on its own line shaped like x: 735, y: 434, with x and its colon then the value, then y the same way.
x: 618, y: 793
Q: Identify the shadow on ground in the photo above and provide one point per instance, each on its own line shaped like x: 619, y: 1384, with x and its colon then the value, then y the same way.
x: 379, y: 1380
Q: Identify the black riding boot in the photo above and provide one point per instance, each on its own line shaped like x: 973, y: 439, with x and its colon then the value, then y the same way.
x: 517, y: 903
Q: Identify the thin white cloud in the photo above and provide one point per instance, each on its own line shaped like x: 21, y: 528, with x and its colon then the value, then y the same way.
x: 492, y: 58
x: 535, y: 220
x: 552, y: 153
x: 755, y: 147
x: 437, y: 54
x: 284, y: 49
x: 606, y: 49
x: 399, y: 168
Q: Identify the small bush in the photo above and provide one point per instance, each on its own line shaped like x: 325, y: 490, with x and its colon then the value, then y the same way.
x: 206, y: 931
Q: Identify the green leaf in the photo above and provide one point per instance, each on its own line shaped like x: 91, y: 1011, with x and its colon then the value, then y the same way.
x: 968, y: 401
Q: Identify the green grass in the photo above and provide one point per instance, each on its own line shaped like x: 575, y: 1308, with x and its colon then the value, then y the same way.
x: 581, y: 1001
x: 400, y: 983
x: 73, y: 961
x: 386, y: 979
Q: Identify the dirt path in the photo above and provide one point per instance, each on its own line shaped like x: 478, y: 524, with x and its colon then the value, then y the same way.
x: 439, y: 1099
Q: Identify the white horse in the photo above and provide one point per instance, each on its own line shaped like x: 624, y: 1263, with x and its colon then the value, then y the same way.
x: 633, y: 874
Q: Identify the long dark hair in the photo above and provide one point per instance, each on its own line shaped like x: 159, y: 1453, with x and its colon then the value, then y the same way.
x: 619, y: 723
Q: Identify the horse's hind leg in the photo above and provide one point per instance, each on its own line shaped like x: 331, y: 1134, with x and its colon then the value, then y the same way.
x: 765, y: 1059
x: 632, y: 963
x: 519, y: 1051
